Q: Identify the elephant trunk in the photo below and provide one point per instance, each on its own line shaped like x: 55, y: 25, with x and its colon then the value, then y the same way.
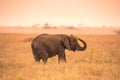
x: 84, y: 47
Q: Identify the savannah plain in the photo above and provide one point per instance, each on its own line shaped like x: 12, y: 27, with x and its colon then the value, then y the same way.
x: 100, y: 61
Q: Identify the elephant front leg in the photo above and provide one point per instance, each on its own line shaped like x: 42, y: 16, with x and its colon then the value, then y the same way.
x: 61, y: 57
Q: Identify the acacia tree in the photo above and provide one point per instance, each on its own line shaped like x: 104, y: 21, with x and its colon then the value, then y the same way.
x: 117, y: 32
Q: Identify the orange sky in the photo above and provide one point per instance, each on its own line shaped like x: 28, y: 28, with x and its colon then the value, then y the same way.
x: 60, y: 12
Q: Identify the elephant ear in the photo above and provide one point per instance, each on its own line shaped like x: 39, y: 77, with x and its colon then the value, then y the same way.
x: 66, y: 43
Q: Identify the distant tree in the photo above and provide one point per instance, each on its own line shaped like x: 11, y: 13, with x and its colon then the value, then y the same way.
x: 70, y: 27
x: 46, y: 26
x: 18, y: 26
x: 103, y: 26
x: 80, y: 24
x: 117, y: 32
x: 36, y: 25
x: 54, y: 27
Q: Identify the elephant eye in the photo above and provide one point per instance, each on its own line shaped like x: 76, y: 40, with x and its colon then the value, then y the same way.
x: 73, y: 41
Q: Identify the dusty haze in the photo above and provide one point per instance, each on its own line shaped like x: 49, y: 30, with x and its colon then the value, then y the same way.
x: 82, y: 30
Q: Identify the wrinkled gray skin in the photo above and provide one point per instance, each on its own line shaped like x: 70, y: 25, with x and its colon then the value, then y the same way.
x: 46, y: 46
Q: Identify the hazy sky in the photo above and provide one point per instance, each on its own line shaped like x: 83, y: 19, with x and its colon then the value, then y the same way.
x: 60, y: 12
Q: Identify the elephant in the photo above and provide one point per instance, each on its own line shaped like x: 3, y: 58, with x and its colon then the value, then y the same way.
x: 45, y: 46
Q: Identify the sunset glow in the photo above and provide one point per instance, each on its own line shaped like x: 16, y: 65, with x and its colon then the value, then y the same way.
x: 60, y: 12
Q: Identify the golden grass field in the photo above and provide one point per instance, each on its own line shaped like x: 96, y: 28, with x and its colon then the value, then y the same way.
x: 100, y: 61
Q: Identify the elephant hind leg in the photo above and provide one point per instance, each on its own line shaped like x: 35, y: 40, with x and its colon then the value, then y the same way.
x: 37, y: 58
x: 41, y: 54
x: 44, y: 60
x: 35, y: 54
x: 44, y: 57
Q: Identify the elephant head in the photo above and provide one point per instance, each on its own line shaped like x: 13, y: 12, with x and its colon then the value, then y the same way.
x: 71, y: 43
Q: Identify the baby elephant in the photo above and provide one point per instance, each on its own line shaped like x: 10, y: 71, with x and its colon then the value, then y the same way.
x: 46, y: 46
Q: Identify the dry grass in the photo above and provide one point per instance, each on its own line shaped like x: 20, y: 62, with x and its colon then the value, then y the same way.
x: 101, y: 60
